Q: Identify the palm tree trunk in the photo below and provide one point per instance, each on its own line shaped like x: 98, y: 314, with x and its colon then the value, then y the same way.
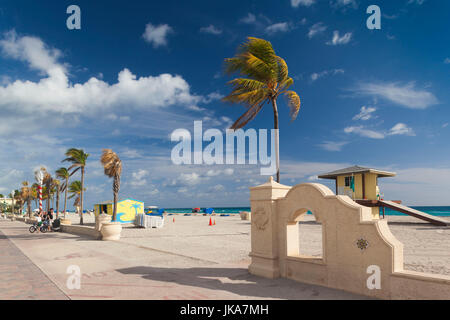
x: 48, y: 199
x: 65, y: 197
x: 57, y: 201
x: 115, y: 207
x: 81, y: 195
x: 277, y: 139
x: 29, y: 206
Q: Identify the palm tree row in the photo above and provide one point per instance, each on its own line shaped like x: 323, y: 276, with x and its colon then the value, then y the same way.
x: 51, y: 186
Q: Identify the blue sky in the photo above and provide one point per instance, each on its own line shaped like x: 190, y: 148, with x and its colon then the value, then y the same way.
x: 137, y: 71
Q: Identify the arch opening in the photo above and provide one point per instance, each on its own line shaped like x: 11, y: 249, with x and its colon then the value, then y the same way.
x: 304, y: 236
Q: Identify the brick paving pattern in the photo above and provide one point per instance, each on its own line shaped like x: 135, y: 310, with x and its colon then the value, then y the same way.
x: 20, y: 279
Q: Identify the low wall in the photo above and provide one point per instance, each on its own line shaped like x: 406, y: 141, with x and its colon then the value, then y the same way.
x: 359, y: 253
x: 81, y: 230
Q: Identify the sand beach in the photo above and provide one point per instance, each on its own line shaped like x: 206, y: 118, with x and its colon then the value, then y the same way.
x: 426, y: 247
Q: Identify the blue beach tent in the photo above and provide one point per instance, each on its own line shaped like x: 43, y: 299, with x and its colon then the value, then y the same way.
x: 208, y: 210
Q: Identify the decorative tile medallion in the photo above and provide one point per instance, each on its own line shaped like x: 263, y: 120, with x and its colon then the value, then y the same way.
x: 362, y: 244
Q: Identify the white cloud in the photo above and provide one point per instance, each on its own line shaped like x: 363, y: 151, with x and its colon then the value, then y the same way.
x: 316, y: 29
x: 447, y: 60
x: 139, y: 175
x: 131, y: 154
x: 405, y: 95
x: 211, y: 29
x: 419, y: 186
x: 185, y: 179
x: 398, y: 129
x: 306, y: 3
x: 277, y: 27
x: 57, y: 94
x: 345, y: 3
x: 214, y: 173
x: 228, y: 171
x: 333, y: 145
x: 33, y: 51
x: 418, y: 2
x: 362, y: 131
x: 317, y: 75
x: 337, y: 40
x: 249, y: 19
x: 401, y: 129
x: 218, y: 187
x: 138, y: 178
x: 365, y: 113
x: 157, y: 35
x: 11, y: 178
x: 300, y: 170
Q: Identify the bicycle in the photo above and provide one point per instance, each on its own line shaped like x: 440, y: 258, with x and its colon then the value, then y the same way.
x: 40, y: 226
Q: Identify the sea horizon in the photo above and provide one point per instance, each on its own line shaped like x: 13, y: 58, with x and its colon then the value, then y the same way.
x: 439, y: 211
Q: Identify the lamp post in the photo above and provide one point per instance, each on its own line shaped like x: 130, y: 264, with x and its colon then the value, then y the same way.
x: 39, y: 176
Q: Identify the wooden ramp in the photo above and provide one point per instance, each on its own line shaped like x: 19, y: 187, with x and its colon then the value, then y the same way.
x: 413, y: 212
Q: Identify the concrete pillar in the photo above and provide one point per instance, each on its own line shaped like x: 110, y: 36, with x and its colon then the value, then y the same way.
x: 264, y: 230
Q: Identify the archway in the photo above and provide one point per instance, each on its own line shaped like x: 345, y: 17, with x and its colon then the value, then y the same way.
x: 304, y: 236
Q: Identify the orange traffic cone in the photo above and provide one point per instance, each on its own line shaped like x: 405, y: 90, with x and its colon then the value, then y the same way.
x: 214, y: 222
x: 173, y: 220
x: 210, y: 222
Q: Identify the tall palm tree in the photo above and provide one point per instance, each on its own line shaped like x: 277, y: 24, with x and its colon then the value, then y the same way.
x: 57, y: 187
x: 27, y: 196
x: 263, y: 78
x: 75, y: 191
x: 48, y: 184
x: 78, y: 159
x: 112, y: 166
x: 17, y: 197
x: 13, y: 196
x: 63, y: 174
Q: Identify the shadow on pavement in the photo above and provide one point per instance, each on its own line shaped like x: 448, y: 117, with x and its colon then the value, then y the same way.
x: 239, y: 281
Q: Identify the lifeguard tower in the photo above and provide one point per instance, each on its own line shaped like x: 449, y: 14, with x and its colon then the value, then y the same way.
x: 361, y: 184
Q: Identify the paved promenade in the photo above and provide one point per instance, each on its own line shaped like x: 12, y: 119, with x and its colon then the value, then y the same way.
x: 21, y: 279
x: 133, y: 270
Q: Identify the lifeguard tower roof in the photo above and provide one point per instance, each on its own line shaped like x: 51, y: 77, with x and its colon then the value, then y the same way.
x: 354, y: 170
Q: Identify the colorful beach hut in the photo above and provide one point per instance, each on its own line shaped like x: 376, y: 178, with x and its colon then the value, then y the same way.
x: 359, y: 183
x: 127, y: 209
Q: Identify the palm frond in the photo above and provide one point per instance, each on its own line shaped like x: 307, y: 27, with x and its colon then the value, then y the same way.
x: 112, y: 164
x: 249, y: 115
x: 248, y: 84
x: 74, y: 171
x: 262, y: 49
x: 62, y: 173
x: 248, y: 98
x: 283, y: 72
x: 293, y: 103
x: 286, y: 84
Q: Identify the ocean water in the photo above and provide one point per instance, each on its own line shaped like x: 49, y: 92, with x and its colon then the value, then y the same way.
x: 433, y: 210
